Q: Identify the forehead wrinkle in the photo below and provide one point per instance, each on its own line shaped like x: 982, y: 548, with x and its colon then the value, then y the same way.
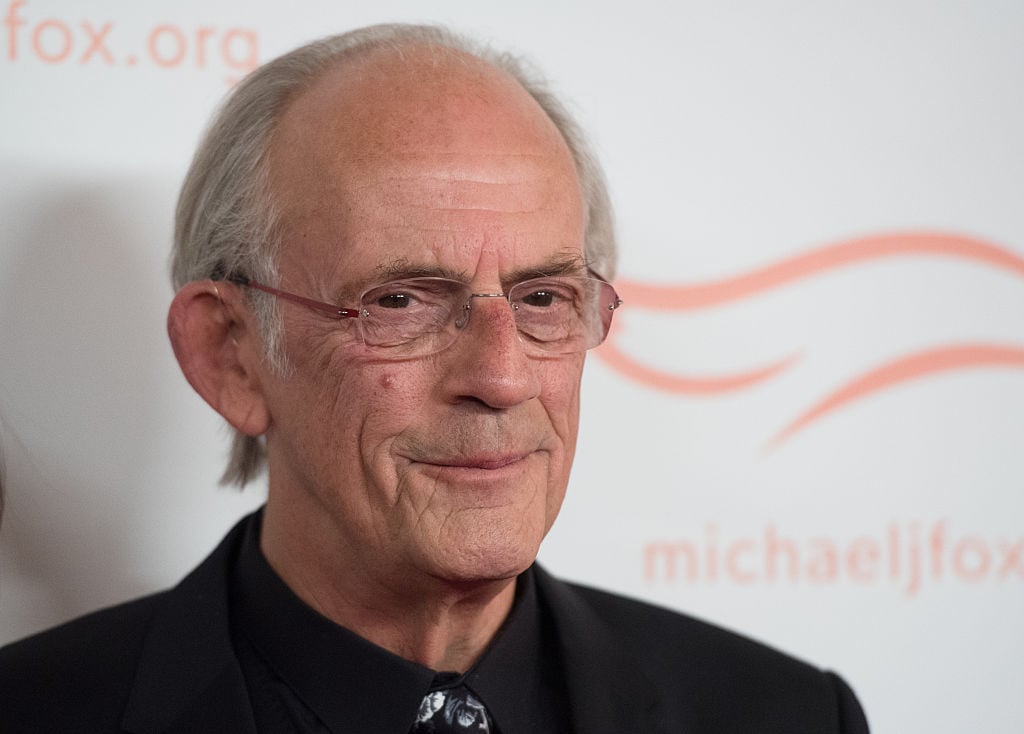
x: 488, y: 166
x: 459, y: 227
x: 456, y: 192
x: 439, y: 178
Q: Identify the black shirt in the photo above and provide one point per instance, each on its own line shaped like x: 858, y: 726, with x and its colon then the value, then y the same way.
x: 307, y: 674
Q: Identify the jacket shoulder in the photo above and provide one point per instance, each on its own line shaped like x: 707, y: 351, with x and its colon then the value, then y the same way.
x: 719, y: 680
x: 664, y: 634
x: 85, y: 666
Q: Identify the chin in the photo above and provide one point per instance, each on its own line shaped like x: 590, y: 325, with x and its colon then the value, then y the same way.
x: 483, y: 544
x: 490, y: 559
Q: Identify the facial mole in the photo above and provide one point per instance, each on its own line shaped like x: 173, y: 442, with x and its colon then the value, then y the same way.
x: 387, y: 381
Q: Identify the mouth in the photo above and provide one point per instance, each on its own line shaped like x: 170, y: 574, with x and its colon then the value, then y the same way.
x: 486, y: 462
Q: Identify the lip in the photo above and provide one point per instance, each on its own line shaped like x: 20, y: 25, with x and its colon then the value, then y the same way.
x: 485, y: 462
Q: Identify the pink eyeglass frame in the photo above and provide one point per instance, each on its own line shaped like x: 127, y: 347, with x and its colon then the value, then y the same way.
x: 328, y: 308
x: 354, y: 313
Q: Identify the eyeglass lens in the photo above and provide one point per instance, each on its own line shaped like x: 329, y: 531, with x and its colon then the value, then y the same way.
x: 421, y: 315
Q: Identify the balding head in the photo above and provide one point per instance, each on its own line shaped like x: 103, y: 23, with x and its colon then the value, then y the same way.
x: 450, y: 129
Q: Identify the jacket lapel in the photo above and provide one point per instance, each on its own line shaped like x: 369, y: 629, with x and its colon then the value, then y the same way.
x: 609, y: 692
x: 188, y: 679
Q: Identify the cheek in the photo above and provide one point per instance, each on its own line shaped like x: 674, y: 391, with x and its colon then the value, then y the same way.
x: 561, y: 397
x: 358, y: 411
x: 337, y: 370
x: 385, y: 398
x: 562, y: 400
x: 394, y: 386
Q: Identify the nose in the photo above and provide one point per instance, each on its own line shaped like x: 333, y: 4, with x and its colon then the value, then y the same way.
x: 467, y: 308
x: 489, y: 363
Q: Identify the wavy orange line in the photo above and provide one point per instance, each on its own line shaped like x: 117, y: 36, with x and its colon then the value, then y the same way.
x: 703, y: 295
x: 669, y: 382
x: 943, y: 359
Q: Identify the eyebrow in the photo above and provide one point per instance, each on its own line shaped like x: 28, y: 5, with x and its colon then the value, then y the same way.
x: 400, y: 269
x: 397, y: 269
x: 562, y: 263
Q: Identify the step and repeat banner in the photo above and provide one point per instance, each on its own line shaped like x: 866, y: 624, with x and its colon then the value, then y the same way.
x: 807, y: 424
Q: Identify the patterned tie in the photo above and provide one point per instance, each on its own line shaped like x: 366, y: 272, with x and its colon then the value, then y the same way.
x: 452, y: 711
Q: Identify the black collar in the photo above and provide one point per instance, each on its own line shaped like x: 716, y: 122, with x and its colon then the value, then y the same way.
x: 351, y: 684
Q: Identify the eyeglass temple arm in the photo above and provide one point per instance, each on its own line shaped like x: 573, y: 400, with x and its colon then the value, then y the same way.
x: 338, y: 313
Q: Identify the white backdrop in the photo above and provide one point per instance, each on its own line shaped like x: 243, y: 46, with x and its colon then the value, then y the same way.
x: 809, y: 423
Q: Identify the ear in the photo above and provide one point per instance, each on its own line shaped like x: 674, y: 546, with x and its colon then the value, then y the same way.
x: 218, y: 349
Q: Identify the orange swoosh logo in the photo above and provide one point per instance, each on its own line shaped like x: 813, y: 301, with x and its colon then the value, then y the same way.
x: 943, y: 359
x: 688, y: 297
x: 799, y: 267
x: 690, y: 384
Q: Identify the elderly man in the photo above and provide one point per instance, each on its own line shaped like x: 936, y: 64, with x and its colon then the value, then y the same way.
x: 392, y: 254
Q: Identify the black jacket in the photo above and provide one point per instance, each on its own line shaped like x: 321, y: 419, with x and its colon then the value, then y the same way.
x: 165, y: 664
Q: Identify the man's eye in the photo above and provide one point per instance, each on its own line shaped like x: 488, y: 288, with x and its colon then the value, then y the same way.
x: 539, y: 299
x: 394, y: 300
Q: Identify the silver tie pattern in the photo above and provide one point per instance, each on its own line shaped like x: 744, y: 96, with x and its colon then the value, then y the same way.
x: 452, y: 711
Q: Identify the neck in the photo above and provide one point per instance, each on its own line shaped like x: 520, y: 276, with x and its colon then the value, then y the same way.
x: 437, y: 623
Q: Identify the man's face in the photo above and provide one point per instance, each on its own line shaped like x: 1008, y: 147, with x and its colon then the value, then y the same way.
x: 451, y: 466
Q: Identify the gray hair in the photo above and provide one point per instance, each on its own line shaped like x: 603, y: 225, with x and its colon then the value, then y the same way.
x: 227, y: 223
